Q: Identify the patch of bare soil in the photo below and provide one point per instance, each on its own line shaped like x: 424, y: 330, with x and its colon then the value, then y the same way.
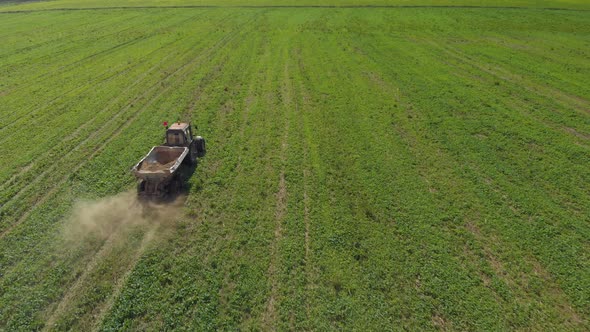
x: 155, y: 166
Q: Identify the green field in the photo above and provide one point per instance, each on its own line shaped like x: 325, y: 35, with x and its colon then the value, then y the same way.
x: 367, y: 169
x: 78, y: 4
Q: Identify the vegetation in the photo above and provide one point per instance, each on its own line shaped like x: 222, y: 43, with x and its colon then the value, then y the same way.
x: 77, y: 4
x: 367, y: 168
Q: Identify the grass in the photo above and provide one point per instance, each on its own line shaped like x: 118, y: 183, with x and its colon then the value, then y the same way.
x: 367, y: 169
x: 76, y: 4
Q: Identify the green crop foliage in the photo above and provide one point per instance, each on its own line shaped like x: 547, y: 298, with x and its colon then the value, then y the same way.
x: 19, y: 5
x: 367, y: 169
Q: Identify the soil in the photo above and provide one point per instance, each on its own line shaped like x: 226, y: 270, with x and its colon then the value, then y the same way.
x: 152, y: 167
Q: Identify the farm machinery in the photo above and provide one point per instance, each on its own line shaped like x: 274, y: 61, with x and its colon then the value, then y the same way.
x: 160, y: 172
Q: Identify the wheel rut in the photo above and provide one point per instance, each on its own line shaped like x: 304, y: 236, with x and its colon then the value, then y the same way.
x: 92, y: 83
x: 8, y: 12
x: 270, y: 315
x: 72, y: 292
x: 120, y: 283
x: 565, y: 99
x: 98, y: 131
x: 182, y: 70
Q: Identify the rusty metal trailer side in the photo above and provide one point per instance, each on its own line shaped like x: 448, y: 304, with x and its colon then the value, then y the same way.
x: 158, y: 171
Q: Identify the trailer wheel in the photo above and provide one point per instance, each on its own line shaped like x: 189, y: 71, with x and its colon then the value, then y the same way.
x: 175, y: 186
x: 141, y: 187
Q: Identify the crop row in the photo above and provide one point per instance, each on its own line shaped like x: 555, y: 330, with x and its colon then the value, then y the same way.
x: 366, y: 169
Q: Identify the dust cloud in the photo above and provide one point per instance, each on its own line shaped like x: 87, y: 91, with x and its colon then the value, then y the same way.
x: 120, y: 213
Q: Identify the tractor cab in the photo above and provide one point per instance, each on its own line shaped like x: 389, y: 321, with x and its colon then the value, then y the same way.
x: 181, y: 134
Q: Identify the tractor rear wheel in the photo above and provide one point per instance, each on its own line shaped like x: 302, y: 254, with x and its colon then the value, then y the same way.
x: 201, y: 149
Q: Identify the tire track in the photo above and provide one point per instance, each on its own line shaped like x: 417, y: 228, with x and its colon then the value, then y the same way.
x: 566, y: 101
x: 219, y: 44
x: 247, y: 107
x: 75, y: 65
x: 93, y: 135
x: 223, y: 42
x: 67, y: 176
x: 112, y: 102
x: 296, y: 6
x: 554, y: 291
x: 306, y: 221
x: 70, y: 66
x: 66, y: 37
x: 270, y: 316
x: 517, y: 103
x: 118, y: 287
x: 221, y: 122
x: 309, y: 282
x: 20, y: 117
x: 497, y: 71
x: 306, y: 101
x: 72, y: 291
x: 306, y: 204
x: 18, y: 22
x: 90, y: 84
x: 561, y: 300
